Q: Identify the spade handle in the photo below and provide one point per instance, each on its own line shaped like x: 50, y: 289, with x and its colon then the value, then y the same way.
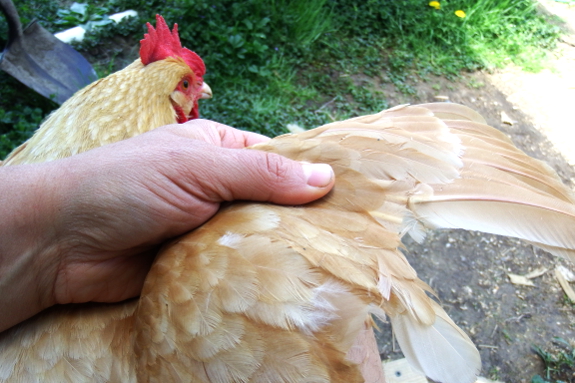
x: 14, y: 25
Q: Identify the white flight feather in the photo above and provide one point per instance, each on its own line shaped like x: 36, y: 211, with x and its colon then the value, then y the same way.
x: 441, y: 351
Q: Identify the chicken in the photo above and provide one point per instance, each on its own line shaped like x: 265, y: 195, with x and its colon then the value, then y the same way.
x: 277, y: 294
x: 265, y: 293
x: 162, y: 87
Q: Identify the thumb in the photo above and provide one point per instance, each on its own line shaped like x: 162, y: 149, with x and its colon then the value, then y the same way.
x: 247, y: 174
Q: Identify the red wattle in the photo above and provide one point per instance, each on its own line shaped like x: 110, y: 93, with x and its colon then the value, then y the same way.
x: 180, y: 115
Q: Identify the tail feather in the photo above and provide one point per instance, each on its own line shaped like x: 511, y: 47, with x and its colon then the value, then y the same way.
x: 442, y: 351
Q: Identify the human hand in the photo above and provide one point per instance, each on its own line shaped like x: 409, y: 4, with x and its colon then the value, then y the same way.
x: 107, y: 210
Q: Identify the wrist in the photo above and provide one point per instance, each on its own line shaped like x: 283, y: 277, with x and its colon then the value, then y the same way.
x: 29, y: 254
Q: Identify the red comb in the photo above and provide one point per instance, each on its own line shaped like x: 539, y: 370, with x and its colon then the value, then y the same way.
x: 161, y: 43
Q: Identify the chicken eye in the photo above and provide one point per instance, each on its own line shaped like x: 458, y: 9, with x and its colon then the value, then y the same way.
x: 185, y: 84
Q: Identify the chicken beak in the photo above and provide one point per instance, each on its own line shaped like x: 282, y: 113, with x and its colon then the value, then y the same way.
x: 206, y: 91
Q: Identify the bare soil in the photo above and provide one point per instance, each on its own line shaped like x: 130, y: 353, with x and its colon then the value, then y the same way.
x: 469, y: 270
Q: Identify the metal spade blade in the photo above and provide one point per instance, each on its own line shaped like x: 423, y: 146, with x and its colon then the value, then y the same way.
x: 42, y: 62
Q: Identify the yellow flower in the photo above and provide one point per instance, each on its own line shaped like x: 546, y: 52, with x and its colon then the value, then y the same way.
x: 435, y: 4
x: 460, y: 13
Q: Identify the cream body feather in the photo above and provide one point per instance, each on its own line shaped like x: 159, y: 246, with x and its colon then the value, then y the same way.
x: 265, y: 293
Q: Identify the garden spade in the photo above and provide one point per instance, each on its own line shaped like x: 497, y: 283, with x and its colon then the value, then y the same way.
x: 42, y: 62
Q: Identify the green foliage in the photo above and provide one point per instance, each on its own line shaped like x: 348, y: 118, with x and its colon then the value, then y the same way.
x: 308, y: 62
x: 85, y: 15
x: 19, y: 119
x: 96, y: 37
x: 21, y: 111
x: 510, y: 30
x: 493, y: 32
x: 23, y: 122
x: 266, y: 47
x: 240, y: 40
x: 559, y: 363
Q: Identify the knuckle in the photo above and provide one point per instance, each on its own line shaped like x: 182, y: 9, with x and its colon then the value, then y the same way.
x: 277, y: 167
x: 172, y: 128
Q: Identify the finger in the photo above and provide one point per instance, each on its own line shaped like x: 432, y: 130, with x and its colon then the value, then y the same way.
x: 365, y: 353
x: 235, y: 138
x: 259, y: 176
x: 216, y: 134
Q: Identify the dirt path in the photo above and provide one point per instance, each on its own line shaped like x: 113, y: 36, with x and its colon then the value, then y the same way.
x: 548, y: 98
x: 470, y: 270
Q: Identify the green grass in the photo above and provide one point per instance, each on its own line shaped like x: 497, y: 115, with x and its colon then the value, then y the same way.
x: 21, y: 112
x: 276, y: 62
x: 559, y: 362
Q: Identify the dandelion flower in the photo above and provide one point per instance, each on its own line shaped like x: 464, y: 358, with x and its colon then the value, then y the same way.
x: 460, y: 13
x: 435, y: 4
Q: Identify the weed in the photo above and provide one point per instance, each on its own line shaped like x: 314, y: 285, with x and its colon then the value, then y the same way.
x: 567, y: 301
x: 494, y: 373
x: 23, y: 122
x: 508, y: 337
x: 85, y: 15
x: 475, y: 84
x: 21, y: 111
x: 559, y: 363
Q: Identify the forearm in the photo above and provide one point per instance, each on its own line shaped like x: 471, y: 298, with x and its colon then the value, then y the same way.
x: 28, y: 207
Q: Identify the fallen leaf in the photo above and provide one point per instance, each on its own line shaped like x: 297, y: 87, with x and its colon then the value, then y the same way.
x: 520, y: 280
x: 400, y: 371
x: 536, y: 273
x: 564, y: 284
x: 506, y: 119
x: 568, y: 274
x: 485, y: 380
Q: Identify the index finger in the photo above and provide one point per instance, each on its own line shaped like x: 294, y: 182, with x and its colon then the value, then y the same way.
x: 217, y: 134
x: 234, y: 138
